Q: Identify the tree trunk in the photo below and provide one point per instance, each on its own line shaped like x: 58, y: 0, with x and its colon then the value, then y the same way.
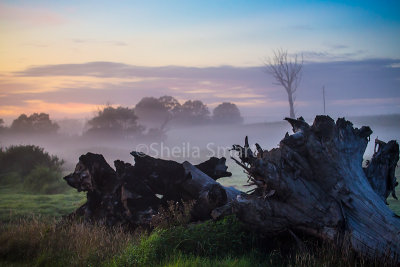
x: 291, y: 104
x: 313, y: 184
x: 132, y: 194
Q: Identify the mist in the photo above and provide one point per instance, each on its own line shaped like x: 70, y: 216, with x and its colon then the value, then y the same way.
x: 194, y: 143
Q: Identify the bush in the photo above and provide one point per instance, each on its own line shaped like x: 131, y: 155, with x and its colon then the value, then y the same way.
x: 11, y: 178
x: 24, y: 158
x: 43, y: 180
x: 31, y: 167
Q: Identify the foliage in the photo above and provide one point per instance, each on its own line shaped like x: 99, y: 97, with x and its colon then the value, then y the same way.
x: 152, y: 112
x: 171, y: 104
x: 120, y: 120
x: 156, y: 112
x: 227, y: 113
x: 24, y: 158
x: 193, y: 112
x: 35, y: 123
x: 32, y: 167
x: 44, y: 181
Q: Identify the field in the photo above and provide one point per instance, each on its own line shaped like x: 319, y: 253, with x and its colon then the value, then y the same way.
x: 43, y: 241
x: 16, y: 204
x: 33, y: 234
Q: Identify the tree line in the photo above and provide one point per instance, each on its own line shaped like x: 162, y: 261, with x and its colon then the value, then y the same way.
x: 151, y: 116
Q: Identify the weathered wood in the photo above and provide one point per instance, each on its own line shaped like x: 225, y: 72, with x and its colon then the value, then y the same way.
x: 313, y: 184
x: 320, y: 188
x: 381, y: 169
x: 132, y: 194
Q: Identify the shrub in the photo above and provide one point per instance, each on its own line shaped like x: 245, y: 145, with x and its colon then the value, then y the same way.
x: 44, y: 180
x: 24, y: 158
x: 11, y: 178
x: 31, y: 166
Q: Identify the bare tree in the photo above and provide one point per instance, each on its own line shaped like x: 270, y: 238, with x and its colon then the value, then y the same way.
x: 287, y: 72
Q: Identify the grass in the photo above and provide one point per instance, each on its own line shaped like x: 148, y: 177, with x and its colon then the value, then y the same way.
x: 30, y: 240
x: 393, y: 203
x: 48, y: 243
x: 36, y: 242
x: 15, y: 203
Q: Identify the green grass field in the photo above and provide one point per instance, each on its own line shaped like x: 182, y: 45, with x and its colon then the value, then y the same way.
x: 15, y: 204
x: 30, y: 236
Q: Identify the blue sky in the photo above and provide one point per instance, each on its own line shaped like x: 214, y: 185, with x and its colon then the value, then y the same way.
x: 201, y: 34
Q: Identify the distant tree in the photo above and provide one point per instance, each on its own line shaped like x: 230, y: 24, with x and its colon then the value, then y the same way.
x: 287, y: 72
x: 193, y: 112
x: 171, y: 104
x: 152, y: 112
x: 227, y: 113
x: 121, y: 120
x: 71, y: 126
x: 2, y: 127
x: 35, y: 123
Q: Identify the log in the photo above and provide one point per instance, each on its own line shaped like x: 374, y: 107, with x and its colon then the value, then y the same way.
x: 380, y: 171
x: 314, y: 184
x: 131, y: 195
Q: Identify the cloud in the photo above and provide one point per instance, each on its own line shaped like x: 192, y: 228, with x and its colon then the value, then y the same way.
x: 95, y: 41
x: 329, y: 56
x: 336, y: 46
x: 350, y: 86
x: 239, y: 95
x: 30, y: 15
x: 366, y: 101
x: 200, y: 91
x: 71, y: 109
x: 113, y: 69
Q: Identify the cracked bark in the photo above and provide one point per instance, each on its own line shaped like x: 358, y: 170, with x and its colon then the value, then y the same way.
x: 313, y: 184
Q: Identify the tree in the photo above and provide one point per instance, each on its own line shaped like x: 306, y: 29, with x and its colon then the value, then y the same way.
x: 287, y: 72
x: 24, y: 158
x: 194, y: 112
x: 2, y: 127
x: 115, y: 120
x: 152, y: 112
x: 35, y: 123
x: 171, y: 104
x: 227, y: 113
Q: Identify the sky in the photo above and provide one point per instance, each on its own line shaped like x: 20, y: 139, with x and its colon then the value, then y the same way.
x: 70, y: 58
